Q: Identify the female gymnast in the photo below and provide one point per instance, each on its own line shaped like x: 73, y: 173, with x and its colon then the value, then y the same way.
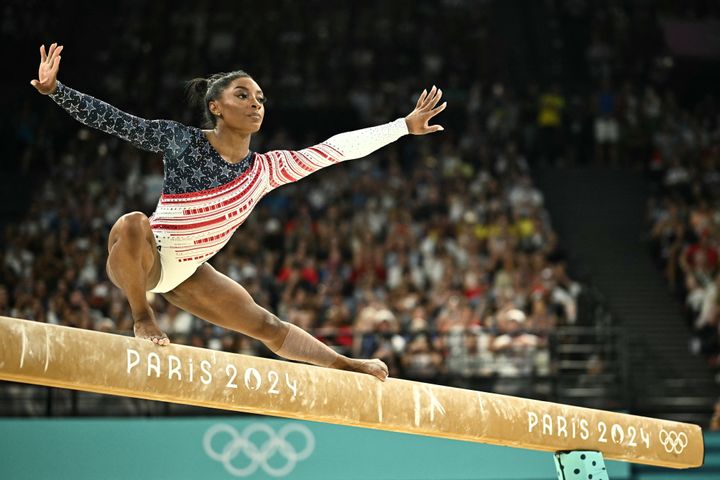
x: 212, y: 183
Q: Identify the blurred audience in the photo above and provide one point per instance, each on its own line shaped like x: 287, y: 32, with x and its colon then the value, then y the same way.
x: 684, y: 212
x: 434, y: 254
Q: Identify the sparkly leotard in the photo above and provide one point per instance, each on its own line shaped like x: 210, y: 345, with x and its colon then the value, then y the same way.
x: 204, y: 198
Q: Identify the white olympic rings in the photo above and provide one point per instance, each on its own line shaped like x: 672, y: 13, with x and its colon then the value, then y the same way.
x: 672, y: 441
x: 259, y: 456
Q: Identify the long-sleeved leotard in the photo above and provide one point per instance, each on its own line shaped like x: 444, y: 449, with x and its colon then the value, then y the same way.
x: 204, y: 198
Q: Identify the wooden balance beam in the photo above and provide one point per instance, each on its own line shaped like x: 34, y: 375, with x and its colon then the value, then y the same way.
x: 55, y: 356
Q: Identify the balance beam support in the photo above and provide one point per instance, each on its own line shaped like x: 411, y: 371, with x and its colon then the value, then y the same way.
x: 580, y: 465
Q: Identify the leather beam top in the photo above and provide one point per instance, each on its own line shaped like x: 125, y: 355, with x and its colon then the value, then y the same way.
x: 51, y: 355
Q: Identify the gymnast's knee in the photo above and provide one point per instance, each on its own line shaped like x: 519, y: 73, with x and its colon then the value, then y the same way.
x: 129, y: 228
x: 134, y: 224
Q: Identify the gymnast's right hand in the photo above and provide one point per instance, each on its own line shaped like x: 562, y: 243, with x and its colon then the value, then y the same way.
x: 46, y: 83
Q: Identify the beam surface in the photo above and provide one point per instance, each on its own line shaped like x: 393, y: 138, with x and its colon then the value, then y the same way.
x: 51, y: 355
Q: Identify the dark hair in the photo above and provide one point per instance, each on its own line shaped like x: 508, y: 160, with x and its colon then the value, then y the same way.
x: 201, y: 91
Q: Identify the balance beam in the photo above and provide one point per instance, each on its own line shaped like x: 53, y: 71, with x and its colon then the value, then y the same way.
x: 55, y: 356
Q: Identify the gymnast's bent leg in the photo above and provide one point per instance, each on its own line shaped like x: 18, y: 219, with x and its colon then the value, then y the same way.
x: 214, y: 297
x: 133, y: 265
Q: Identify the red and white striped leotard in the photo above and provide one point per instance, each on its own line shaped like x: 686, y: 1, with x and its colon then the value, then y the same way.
x: 204, y: 198
x: 192, y: 227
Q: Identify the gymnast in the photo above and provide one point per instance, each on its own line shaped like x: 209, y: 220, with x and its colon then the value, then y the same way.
x: 212, y: 182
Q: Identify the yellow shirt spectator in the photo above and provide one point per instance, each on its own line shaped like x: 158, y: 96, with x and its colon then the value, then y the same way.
x: 550, y: 112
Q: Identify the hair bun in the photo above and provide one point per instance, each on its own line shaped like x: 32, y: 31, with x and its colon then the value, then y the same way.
x: 201, y: 85
x: 196, y: 89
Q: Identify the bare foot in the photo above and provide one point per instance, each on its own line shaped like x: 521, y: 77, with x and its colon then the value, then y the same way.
x: 374, y: 367
x: 148, y: 329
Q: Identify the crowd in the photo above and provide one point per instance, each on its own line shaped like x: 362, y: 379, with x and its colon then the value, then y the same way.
x: 435, y: 254
x: 684, y: 214
x: 433, y: 260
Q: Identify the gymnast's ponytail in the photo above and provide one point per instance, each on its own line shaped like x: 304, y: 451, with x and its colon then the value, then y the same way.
x: 196, y: 90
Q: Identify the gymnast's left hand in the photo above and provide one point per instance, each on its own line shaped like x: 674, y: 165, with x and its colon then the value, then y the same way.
x: 425, y: 109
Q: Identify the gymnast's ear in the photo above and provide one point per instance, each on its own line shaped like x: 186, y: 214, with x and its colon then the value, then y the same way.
x: 214, y: 108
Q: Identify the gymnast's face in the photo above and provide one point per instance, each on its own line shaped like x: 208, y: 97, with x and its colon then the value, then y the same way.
x: 241, y: 106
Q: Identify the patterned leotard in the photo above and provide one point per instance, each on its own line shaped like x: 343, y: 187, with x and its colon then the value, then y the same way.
x: 205, y: 198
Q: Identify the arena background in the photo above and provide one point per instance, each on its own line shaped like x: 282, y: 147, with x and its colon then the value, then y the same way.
x: 559, y: 240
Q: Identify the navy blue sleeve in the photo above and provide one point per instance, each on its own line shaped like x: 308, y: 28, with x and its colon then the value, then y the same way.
x: 165, y: 136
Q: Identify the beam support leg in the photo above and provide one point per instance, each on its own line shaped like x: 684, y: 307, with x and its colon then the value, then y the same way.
x: 580, y: 465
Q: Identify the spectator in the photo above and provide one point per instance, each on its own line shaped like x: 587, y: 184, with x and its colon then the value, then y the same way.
x: 607, y: 129
x: 420, y: 360
x: 550, y: 123
x: 514, y: 348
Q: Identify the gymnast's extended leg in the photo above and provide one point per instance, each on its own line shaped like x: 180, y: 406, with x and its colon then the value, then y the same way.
x: 133, y: 265
x: 218, y: 299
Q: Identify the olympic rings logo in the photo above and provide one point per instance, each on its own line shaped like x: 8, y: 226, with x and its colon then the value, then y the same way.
x: 672, y: 441
x: 240, y: 444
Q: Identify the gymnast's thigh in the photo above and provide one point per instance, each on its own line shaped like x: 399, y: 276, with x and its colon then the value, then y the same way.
x: 218, y: 299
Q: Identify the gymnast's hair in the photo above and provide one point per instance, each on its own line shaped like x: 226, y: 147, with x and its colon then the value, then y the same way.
x: 201, y: 91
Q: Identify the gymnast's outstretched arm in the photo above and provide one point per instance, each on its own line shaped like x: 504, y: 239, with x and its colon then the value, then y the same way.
x: 286, y: 166
x: 164, y: 136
